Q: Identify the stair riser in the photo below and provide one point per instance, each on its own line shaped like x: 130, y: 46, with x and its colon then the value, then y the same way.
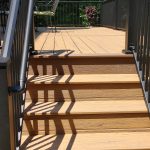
x: 84, y: 92
x: 43, y: 66
x: 85, y: 123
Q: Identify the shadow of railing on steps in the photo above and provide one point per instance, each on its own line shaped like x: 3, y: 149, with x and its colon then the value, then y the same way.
x: 49, y: 141
x: 60, y: 52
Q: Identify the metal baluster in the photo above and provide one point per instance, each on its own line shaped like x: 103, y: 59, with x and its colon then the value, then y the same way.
x: 138, y: 31
x: 142, y: 36
x: 144, y: 59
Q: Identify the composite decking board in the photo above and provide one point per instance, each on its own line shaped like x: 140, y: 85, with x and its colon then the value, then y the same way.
x: 84, y: 79
x: 123, y: 98
x: 89, y: 141
x: 101, y: 43
x: 40, y: 40
x: 77, y: 55
x: 86, y: 107
x: 40, y: 93
x: 103, y: 39
x: 82, y: 41
x: 70, y: 46
x: 88, y: 44
x: 109, y: 43
x: 77, y: 49
x: 84, y: 49
x: 77, y: 124
x: 49, y: 42
x: 59, y: 42
x: 94, y: 47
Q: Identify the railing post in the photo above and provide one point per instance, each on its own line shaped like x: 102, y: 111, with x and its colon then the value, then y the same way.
x: 130, y: 27
x: 127, y: 29
x: 116, y: 14
x: 7, y: 136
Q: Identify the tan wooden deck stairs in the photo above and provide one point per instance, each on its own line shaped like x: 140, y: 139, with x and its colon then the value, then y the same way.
x: 85, y: 103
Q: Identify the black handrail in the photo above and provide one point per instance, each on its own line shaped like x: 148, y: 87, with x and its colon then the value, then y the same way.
x: 16, y: 50
x: 9, y: 39
x: 23, y: 69
x: 4, y: 8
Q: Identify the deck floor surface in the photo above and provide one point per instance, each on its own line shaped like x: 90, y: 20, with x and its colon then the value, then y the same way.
x: 93, y: 40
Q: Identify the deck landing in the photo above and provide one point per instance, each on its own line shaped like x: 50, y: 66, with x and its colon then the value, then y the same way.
x: 94, y: 40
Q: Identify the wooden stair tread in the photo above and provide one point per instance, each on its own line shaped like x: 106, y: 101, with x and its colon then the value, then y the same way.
x: 49, y: 54
x: 84, y: 79
x: 85, y: 107
x: 95, y: 141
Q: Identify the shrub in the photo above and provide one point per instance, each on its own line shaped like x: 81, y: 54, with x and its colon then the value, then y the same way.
x: 91, y: 14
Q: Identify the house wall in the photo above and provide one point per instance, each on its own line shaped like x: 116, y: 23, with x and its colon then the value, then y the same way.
x: 114, y: 13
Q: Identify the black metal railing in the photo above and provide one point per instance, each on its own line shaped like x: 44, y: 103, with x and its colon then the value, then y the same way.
x: 71, y: 13
x: 138, y: 41
x: 14, y: 70
x: 4, y: 8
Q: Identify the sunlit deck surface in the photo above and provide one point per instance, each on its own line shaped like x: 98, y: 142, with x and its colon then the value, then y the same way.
x: 93, y: 40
